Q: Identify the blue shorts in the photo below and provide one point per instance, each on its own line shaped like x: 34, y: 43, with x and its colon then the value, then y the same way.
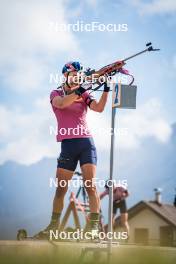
x: 74, y: 150
x: 120, y: 205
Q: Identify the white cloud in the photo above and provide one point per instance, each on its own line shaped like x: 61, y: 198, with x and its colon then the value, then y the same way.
x: 134, y: 126
x: 93, y: 3
x: 26, y: 138
x: 155, y: 6
x: 144, y: 122
x: 27, y: 75
x: 29, y: 44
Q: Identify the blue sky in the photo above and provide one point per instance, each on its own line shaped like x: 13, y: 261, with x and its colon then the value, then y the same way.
x: 31, y: 50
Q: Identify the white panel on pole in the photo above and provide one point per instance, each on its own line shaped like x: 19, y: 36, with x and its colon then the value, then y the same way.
x: 124, y: 96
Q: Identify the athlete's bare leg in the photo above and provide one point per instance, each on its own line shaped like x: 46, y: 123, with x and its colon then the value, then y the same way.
x: 124, y: 222
x: 89, y: 173
x: 63, y: 177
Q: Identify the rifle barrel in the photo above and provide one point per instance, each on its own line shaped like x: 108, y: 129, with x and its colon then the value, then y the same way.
x: 137, y: 54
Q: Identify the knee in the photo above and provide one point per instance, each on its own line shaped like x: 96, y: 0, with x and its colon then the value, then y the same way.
x: 90, y: 188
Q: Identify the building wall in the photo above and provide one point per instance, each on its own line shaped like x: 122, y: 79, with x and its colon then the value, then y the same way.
x: 147, y: 219
x: 174, y: 237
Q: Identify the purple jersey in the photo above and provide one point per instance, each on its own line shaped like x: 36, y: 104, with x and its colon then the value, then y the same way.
x: 71, y: 120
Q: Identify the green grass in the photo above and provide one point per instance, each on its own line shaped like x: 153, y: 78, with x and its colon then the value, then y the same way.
x: 70, y: 254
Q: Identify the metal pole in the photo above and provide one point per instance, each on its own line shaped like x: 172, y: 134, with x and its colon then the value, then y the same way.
x: 110, y: 211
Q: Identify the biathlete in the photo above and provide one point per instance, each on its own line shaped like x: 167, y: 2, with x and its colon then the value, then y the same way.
x: 70, y: 110
x: 119, y: 202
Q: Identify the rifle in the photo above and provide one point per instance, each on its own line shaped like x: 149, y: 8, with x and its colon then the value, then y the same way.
x: 94, y: 77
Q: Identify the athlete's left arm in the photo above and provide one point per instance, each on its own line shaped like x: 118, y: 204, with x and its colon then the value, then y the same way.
x: 97, y: 106
x: 100, y: 105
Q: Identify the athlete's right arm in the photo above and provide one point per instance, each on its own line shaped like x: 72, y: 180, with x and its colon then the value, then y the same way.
x: 62, y: 102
